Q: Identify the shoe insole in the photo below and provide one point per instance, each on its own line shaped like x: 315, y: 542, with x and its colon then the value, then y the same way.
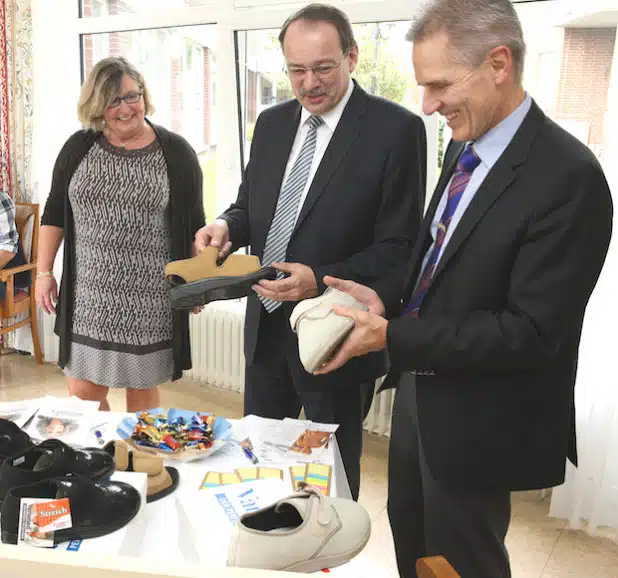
x: 284, y: 519
x: 42, y: 463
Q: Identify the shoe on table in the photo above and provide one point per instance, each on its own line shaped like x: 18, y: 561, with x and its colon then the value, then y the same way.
x: 304, y: 532
x: 97, y: 508
x: 320, y: 331
x: 162, y: 480
x: 53, y: 458
x: 13, y: 441
x: 197, y: 281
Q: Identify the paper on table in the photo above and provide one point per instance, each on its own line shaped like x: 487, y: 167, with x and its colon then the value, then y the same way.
x: 19, y: 412
x: 309, y: 441
x: 220, y: 508
x: 67, y: 419
x: 288, y: 441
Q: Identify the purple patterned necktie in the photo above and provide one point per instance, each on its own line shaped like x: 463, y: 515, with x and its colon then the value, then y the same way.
x: 465, y: 167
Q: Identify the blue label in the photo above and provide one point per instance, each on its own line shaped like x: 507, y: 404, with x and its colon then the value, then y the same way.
x: 227, y: 508
x: 74, y: 545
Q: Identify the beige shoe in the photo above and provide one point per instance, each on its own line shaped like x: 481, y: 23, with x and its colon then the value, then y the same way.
x: 204, y: 266
x: 162, y: 480
x: 319, y: 330
x: 197, y: 281
x: 304, y: 532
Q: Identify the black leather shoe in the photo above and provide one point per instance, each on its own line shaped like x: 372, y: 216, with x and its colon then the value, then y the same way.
x: 50, y: 459
x: 13, y: 441
x: 197, y: 293
x: 97, y: 508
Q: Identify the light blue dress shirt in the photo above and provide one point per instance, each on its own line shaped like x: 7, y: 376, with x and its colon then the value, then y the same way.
x: 488, y: 148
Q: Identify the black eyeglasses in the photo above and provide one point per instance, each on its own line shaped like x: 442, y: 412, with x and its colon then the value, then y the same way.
x: 129, y: 98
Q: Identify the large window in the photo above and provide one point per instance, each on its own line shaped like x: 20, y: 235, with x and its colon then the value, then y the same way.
x: 98, y: 8
x: 568, y: 69
x: 384, y: 69
x: 179, y: 66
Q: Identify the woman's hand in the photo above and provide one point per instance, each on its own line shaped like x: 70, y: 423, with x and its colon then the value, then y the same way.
x: 46, y: 293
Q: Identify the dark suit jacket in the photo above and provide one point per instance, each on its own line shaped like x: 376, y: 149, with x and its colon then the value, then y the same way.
x: 363, y: 209
x: 495, y: 345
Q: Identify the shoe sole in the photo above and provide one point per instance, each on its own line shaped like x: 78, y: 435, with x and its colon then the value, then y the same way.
x: 317, y: 564
x: 202, y: 292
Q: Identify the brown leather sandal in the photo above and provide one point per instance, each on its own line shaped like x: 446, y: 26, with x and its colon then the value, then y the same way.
x: 162, y: 481
x: 201, y: 279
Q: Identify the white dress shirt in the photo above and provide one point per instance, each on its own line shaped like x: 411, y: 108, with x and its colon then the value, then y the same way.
x: 489, y: 149
x: 324, y: 133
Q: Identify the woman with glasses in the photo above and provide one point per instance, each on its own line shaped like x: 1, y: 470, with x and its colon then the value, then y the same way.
x: 126, y: 198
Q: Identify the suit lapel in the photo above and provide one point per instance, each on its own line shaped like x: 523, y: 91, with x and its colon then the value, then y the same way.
x: 340, y: 144
x: 497, y: 181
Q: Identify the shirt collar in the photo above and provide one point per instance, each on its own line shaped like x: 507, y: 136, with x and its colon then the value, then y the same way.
x: 332, y: 117
x: 492, y: 144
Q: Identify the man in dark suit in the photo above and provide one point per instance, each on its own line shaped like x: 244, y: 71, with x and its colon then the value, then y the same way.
x: 334, y: 186
x: 485, y: 319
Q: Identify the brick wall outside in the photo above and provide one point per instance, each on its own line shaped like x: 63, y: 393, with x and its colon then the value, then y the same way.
x: 584, y: 77
x: 207, y: 94
x: 87, y: 39
x: 176, y: 86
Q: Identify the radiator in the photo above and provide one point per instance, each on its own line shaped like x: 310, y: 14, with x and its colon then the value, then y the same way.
x: 218, y: 359
x: 217, y: 351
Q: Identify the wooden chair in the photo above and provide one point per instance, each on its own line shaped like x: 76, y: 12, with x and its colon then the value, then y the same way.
x: 435, y: 567
x: 22, y: 302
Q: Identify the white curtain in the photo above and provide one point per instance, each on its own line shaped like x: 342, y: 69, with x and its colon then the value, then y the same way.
x: 591, y: 491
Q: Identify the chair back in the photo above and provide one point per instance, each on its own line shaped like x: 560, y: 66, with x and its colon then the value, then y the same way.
x: 23, y: 213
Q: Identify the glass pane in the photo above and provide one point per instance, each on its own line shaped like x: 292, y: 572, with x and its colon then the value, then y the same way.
x: 179, y: 66
x: 384, y: 68
x: 568, y: 70
x: 96, y: 8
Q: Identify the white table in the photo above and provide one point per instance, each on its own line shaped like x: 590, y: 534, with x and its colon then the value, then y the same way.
x: 169, y: 533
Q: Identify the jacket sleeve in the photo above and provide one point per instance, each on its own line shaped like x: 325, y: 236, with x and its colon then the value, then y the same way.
x: 555, y: 269
x: 196, y: 192
x: 399, y: 215
x: 53, y: 213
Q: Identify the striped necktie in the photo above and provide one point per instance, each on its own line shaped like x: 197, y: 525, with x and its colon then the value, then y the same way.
x: 465, y: 167
x: 287, y: 206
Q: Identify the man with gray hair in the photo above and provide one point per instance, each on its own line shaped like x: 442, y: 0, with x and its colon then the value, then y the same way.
x: 482, y: 326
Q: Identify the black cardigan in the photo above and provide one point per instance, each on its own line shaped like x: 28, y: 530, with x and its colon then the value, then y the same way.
x: 186, y: 217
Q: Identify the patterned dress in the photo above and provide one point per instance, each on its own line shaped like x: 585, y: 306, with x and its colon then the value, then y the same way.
x: 122, y: 321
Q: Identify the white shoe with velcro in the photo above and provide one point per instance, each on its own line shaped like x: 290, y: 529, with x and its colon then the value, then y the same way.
x: 304, y: 532
x: 320, y: 331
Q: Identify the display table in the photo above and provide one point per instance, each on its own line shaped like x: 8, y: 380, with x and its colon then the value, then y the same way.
x: 180, y: 535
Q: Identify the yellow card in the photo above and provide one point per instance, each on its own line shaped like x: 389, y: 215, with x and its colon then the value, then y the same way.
x: 297, y: 473
x: 319, y: 475
x: 228, y: 478
x: 265, y: 473
x: 211, y: 480
x: 247, y: 474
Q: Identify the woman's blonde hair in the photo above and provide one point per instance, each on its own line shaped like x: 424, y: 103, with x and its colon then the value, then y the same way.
x: 102, y: 86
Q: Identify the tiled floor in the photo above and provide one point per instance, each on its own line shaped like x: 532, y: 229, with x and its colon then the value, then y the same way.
x: 540, y: 547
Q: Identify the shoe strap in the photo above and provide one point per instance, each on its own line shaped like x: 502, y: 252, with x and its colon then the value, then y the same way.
x: 324, y: 509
